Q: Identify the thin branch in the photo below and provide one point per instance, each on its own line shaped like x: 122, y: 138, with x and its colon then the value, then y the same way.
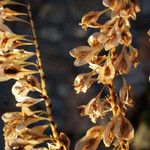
x: 48, y: 102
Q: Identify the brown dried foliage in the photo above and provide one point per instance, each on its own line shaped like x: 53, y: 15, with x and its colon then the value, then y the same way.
x: 25, y: 129
x: 118, y: 132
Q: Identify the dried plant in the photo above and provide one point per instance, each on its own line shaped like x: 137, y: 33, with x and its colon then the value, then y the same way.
x: 108, y: 55
x: 26, y: 129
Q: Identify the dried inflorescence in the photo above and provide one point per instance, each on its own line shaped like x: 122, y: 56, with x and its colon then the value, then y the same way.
x: 25, y: 129
x: 108, y: 55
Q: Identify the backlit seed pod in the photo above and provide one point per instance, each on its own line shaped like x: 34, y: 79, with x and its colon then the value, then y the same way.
x: 10, y: 41
x: 23, y: 86
x: 17, y: 134
x: 10, y: 15
x: 83, y: 82
x: 10, y: 2
x: 91, y: 140
x: 122, y: 63
x: 93, y: 39
x: 126, y: 37
x: 124, y: 95
x: 11, y: 70
x: 106, y: 73
x: 96, y: 108
x: 84, y: 54
x: 133, y: 53
x: 16, y: 55
x: 90, y: 19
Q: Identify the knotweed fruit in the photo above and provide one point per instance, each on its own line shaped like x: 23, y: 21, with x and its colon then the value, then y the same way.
x: 108, y: 55
x: 25, y: 129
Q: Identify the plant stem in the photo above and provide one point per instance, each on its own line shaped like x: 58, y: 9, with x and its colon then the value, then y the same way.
x: 48, y: 102
x: 112, y: 100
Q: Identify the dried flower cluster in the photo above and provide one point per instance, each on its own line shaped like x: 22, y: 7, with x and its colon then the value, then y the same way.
x: 108, y: 55
x: 25, y: 129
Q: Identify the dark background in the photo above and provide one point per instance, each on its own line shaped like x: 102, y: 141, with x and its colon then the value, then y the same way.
x: 58, y: 32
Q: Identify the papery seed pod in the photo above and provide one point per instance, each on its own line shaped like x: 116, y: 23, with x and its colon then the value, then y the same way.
x: 96, y: 108
x: 91, y: 140
x: 133, y: 53
x: 10, y: 15
x: 9, y: 2
x: 65, y: 140
x: 110, y: 34
x: 106, y: 73
x: 83, y: 82
x: 93, y: 39
x: 10, y: 41
x: 126, y: 37
x: 22, y: 87
x: 123, y: 129
x: 84, y: 54
x: 16, y: 55
x: 108, y: 136
x: 124, y: 95
x: 27, y: 101
x: 90, y: 19
x: 11, y: 70
x: 122, y: 63
x: 110, y: 3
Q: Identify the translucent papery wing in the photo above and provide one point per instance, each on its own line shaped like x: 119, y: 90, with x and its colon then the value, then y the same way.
x: 80, y: 54
x: 19, y: 118
x: 16, y: 55
x: 91, y: 140
x: 84, y: 54
x: 16, y: 132
x: 133, y: 53
x: 10, y: 2
x: 123, y: 129
x: 90, y: 19
x: 21, y: 88
x: 26, y: 137
x: 65, y: 140
x: 4, y: 28
x: 83, y: 82
x: 10, y: 41
x: 123, y: 64
x: 124, y: 94
x: 16, y: 19
x: 10, y: 15
x: 28, y: 102
x: 108, y: 136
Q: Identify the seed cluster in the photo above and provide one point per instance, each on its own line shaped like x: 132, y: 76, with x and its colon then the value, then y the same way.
x: 25, y: 129
x: 108, y: 55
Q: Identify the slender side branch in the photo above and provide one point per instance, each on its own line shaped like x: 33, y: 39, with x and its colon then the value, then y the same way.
x: 48, y: 102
